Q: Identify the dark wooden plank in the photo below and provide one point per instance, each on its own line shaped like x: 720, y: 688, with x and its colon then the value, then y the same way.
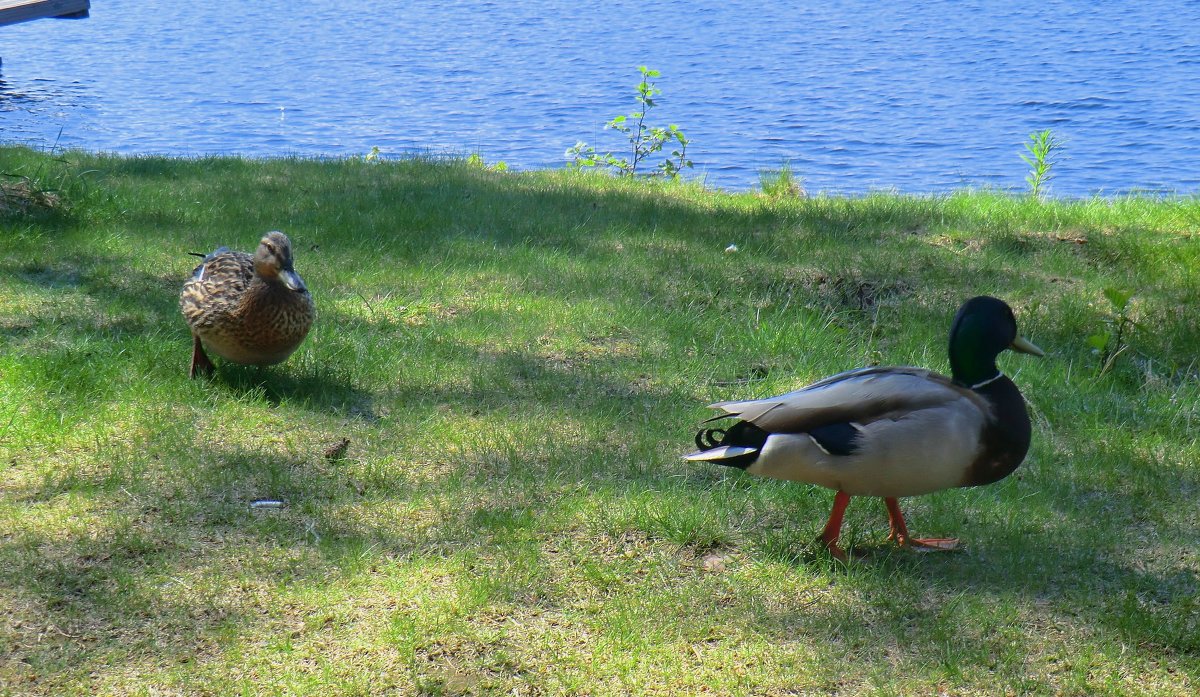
x: 13, y: 11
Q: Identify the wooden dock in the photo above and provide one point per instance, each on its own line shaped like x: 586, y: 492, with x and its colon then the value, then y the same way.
x: 13, y: 11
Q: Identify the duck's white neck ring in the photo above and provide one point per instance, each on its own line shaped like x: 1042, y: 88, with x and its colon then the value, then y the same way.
x: 987, y: 382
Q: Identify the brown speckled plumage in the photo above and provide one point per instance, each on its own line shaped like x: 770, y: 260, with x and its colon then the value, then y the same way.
x: 247, y: 309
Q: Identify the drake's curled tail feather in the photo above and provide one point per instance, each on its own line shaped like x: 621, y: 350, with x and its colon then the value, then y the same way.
x: 737, y: 446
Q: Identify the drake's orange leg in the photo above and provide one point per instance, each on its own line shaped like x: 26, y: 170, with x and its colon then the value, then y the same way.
x: 900, y: 532
x: 833, y: 528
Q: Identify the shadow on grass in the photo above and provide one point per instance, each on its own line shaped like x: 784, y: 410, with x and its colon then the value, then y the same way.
x: 1090, y: 561
x: 318, y: 388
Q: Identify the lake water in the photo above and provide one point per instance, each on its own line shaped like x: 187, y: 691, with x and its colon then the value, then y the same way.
x: 924, y: 98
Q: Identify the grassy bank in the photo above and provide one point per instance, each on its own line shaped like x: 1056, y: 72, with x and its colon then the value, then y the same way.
x: 518, y: 360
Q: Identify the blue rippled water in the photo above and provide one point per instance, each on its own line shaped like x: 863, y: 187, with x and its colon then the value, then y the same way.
x: 924, y: 98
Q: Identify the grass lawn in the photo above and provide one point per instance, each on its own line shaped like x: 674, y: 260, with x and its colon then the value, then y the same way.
x: 518, y: 360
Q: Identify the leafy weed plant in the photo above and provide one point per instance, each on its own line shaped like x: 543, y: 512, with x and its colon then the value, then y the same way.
x: 644, y: 140
x: 1110, y: 344
x: 1041, y: 147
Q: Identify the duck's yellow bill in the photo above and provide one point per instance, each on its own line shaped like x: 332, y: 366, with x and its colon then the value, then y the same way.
x: 1026, y: 346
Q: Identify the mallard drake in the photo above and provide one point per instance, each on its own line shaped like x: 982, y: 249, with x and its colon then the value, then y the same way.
x: 890, y: 431
x: 253, y: 310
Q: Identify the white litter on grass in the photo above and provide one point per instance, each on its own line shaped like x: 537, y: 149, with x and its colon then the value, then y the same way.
x: 267, y: 503
x: 731, y: 249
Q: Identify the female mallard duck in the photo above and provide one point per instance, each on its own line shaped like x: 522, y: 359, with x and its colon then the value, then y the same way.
x: 890, y: 432
x: 247, y: 309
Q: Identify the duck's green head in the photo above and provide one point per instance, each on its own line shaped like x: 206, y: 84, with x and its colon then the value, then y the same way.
x: 273, y: 261
x: 983, y: 327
